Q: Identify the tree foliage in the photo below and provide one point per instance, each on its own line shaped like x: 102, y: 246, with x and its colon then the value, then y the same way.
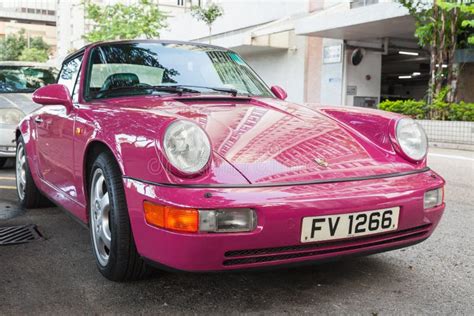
x: 468, y: 23
x: 208, y: 15
x: 16, y: 47
x: 33, y: 54
x: 12, y: 46
x: 120, y: 21
x: 442, y: 26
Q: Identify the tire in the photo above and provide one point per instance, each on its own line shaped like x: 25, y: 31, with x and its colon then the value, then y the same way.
x: 28, y: 194
x: 3, y: 161
x: 111, y: 235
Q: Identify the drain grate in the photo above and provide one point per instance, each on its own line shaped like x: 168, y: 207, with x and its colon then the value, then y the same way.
x: 19, y: 234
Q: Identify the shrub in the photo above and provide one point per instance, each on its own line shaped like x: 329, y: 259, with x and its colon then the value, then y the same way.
x: 413, y: 108
x: 462, y: 111
x: 439, y: 110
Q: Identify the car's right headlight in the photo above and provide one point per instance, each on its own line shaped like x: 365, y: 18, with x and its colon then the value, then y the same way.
x: 187, y: 147
x: 11, y: 116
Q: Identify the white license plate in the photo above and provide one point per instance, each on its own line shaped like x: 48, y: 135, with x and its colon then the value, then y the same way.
x: 341, y: 226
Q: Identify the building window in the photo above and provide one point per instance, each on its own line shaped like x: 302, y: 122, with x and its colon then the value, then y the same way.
x: 362, y: 3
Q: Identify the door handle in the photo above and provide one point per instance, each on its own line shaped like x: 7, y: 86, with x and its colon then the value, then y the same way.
x: 38, y: 120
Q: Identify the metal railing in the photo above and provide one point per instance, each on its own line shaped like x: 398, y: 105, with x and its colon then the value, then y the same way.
x: 451, y: 132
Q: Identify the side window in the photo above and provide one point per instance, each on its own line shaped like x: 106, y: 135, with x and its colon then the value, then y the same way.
x: 75, y: 91
x: 69, y: 73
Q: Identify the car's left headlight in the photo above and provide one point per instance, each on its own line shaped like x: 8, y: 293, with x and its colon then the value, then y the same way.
x: 412, y: 139
x: 11, y: 116
x: 187, y: 147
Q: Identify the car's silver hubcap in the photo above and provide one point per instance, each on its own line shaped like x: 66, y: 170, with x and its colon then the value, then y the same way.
x: 100, y: 217
x: 20, y: 171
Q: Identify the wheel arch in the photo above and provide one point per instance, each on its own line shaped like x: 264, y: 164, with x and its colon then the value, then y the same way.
x: 93, y: 149
x: 17, y: 134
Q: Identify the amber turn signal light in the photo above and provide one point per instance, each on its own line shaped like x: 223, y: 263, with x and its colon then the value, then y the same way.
x: 170, y: 217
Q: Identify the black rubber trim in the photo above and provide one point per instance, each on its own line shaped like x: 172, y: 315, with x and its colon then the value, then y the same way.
x: 315, y: 252
x: 283, y: 184
x: 341, y: 243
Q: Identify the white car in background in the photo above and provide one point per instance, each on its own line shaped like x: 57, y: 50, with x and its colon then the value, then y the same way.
x: 18, y: 80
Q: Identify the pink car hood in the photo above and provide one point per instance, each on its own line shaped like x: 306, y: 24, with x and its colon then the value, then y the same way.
x: 271, y: 141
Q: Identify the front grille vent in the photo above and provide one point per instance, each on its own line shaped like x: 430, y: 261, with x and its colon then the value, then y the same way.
x: 299, y: 251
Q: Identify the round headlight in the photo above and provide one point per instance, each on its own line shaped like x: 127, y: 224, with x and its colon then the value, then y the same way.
x: 187, y: 146
x: 412, y: 139
x: 11, y: 116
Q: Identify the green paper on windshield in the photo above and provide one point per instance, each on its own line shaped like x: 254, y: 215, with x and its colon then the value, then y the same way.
x: 236, y: 58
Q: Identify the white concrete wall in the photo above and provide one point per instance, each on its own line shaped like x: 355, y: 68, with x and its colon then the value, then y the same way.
x: 371, y: 65
x: 237, y: 15
x: 332, y: 77
x: 70, y: 27
x: 283, y: 68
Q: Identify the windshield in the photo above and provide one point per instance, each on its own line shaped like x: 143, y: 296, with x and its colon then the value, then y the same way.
x: 24, y: 78
x: 144, y: 68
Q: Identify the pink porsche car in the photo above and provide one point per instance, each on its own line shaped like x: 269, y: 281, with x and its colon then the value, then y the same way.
x: 178, y: 155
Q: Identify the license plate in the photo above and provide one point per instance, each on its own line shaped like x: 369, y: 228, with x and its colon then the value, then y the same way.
x: 319, y: 228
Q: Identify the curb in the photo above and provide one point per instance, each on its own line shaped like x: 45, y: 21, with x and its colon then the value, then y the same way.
x: 465, y: 147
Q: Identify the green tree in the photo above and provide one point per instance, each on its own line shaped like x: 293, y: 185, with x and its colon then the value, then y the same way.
x: 14, y: 46
x: 39, y: 43
x: 121, y: 21
x: 468, y: 23
x: 34, y: 54
x: 208, y: 15
x: 442, y: 26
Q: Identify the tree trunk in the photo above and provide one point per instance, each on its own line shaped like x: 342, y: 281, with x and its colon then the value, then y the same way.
x: 453, y: 69
x: 433, y: 57
x: 210, y: 32
x: 441, y: 53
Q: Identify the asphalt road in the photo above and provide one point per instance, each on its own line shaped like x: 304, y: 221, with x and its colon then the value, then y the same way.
x: 58, y: 275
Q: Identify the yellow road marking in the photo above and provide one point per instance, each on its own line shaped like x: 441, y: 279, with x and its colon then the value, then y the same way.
x: 7, y: 187
x: 7, y: 178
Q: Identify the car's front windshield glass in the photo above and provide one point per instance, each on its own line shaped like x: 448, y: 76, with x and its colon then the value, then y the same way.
x: 153, y: 68
x: 25, y: 79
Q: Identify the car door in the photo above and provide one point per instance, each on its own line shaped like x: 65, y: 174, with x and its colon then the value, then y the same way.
x: 55, y: 135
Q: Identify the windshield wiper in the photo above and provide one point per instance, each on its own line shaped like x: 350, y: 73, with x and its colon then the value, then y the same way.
x: 170, y: 89
x: 234, y: 92
x: 174, y: 88
x: 178, y: 89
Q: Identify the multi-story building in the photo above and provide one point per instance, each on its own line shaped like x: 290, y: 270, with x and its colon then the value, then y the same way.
x: 36, y: 17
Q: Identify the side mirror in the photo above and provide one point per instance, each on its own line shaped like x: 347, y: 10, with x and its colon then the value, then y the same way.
x: 53, y: 94
x: 279, y: 92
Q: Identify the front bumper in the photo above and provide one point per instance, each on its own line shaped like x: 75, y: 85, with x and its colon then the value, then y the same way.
x: 7, y: 141
x: 280, y: 210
